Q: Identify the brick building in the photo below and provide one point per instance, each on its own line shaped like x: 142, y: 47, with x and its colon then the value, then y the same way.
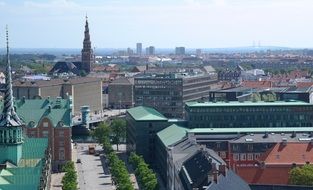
x: 49, y: 118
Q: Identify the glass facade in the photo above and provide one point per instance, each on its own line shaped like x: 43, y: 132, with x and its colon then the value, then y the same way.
x: 258, y: 115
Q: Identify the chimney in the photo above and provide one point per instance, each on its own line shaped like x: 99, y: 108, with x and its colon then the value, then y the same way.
x: 265, y: 135
x: 222, y: 169
x: 294, y: 134
x: 3, y: 167
x: 284, y: 141
x: 23, y: 99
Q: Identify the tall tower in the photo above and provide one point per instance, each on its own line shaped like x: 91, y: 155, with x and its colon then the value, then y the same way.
x: 11, y: 131
x: 87, y: 52
x: 139, y: 49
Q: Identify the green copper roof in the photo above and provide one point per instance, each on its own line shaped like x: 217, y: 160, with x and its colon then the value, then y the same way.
x: 246, y: 103
x: 34, y: 148
x: 172, y: 134
x: 31, y: 111
x: 142, y: 113
x: 251, y: 130
x: 27, y: 174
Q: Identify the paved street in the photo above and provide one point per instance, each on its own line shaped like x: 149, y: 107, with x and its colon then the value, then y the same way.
x: 56, y: 179
x: 93, y: 173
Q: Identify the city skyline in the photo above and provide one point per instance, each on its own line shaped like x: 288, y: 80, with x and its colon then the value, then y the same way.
x: 189, y: 23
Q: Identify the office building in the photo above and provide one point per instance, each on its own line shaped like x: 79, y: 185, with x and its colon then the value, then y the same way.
x: 139, y: 49
x: 167, y: 93
x: 198, y: 52
x: 249, y: 114
x: 142, y: 125
x: 189, y: 166
x: 120, y: 92
x: 180, y: 51
x: 130, y: 52
x: 150, y: 50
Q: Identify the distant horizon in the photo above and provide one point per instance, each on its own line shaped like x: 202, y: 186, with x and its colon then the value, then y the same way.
x: 110, y: 51
x: 187, y: 48
x: 161, y: 23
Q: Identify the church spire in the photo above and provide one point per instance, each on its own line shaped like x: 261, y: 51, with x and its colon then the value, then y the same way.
x: 8, y: 117
x: 87, y: 52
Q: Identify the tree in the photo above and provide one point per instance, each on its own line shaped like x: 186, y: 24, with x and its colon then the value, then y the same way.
x: 82, y: 73
x: 102, y: 133
x: 118, y: 127
x: 147, y: 178
x: 69, y: 180
x: 302, y: 175
x: 255, y: 97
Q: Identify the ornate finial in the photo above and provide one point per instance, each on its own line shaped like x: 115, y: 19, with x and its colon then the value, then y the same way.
x: 8, y: 117
x: 86, y: 17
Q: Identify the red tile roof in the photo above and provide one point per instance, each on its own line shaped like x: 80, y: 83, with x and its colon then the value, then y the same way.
x: 298, y: 153
x: 268, y: 175
x: 304, y: 84
x: 257, y: 84
x: 278, y: 162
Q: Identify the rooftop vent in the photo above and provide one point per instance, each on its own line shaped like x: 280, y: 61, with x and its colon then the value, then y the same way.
x: 265, y: 135
x: 284, y: 141
x: 249, y: 140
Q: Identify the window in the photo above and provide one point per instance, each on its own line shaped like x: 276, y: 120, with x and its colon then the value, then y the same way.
x: 45, y: 134
x: 45, y: 124
x: 61, y: 153
x: 61, y: 143
x: 33, y: 134
x: 235, y: 147
x: 250, y: 147
x: 243, y: 157
x: 236, y: 157
x: 256, y: 155
x: 223, y: 155
x: 218, y: 145
x: 250, y: 156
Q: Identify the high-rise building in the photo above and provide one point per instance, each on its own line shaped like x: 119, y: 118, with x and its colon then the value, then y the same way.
x: 150, y: 50
x: 180, y: 50
x: 130, y: 51
x: 167, y: 93
x: 198, y: 52
x: 139, y: 48
x: 87, y: 52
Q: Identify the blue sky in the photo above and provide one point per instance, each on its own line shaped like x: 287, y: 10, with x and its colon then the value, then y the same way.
x: 162, y: 23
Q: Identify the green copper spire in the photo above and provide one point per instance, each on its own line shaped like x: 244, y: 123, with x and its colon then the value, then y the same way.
x: 8, y: 117
x: 11, y: 130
